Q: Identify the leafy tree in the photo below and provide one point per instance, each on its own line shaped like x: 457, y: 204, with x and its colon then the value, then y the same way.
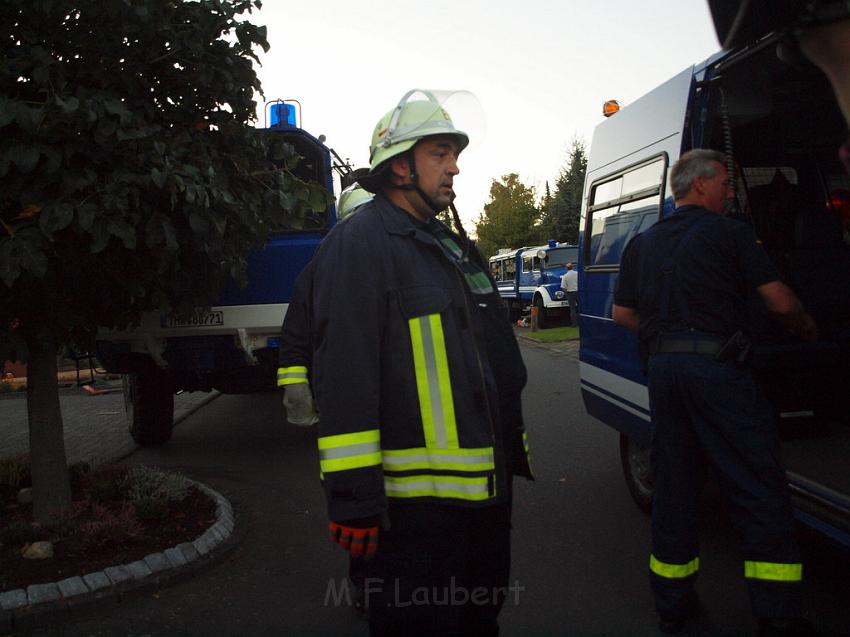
x: 131, y: 179
x: 563, y: 211
x: 510, y: 218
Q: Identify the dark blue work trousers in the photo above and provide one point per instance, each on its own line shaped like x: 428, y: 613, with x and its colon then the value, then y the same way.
x: 572, y: 302
x: 440, y: 571
x: 704, y: 408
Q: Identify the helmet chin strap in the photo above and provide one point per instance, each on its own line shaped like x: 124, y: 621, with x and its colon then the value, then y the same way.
x: 414, y: 184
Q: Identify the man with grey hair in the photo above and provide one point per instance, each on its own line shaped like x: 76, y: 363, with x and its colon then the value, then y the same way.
x: 683, y: 287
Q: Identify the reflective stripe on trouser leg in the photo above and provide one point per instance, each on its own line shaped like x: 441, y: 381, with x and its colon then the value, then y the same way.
x: 675, y: 462
x: 673, y: 571
x: 433, y: 382
x: 291, y: 375
x: 672, y: 584
x: 775, y: 589
x: 772, y: 571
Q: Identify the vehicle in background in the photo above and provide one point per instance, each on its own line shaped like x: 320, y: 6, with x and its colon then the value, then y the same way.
x: 782, y: 127
x: 233, y: 346
x: 529, y: 277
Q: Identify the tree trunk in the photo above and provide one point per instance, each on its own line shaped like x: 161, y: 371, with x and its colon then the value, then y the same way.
x: 51, y: 485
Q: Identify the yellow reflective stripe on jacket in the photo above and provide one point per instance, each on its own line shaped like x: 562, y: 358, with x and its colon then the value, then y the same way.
x: 436, y: 486
x: 350, y: 451
x: 773, y: 571
x: 673, y: 571
x: 433, y: 383
x: 291, y: 375
x: 439, y: 459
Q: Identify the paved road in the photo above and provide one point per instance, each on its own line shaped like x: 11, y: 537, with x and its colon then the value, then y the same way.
x: 580, y: 545
x: 95, y: 427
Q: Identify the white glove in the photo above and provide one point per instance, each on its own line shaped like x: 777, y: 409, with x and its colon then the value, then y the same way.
x: 298, y: 402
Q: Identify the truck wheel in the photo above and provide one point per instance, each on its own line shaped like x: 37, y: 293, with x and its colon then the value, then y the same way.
x: 637, y: 470
x: 542, y: 320
x: 149, y: 403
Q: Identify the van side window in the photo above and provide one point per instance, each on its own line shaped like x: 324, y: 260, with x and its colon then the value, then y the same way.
x: 621, y: 206
x: 510, y: 269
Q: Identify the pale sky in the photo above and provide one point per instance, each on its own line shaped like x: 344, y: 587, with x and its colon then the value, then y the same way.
x: 541, y: 70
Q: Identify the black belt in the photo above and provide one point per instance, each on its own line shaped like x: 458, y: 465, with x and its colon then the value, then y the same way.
x: 687, y: 345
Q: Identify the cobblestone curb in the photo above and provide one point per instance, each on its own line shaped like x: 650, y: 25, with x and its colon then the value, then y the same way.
x: 566, y: 348
x: 21, y: 608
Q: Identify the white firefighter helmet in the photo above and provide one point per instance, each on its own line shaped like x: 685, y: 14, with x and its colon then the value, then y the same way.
x: 351, y: 199
x: 399, y: 130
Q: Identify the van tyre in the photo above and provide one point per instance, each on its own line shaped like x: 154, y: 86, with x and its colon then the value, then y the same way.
x: 542, y: 320
x: 637, y: 470
x: 149, y: 403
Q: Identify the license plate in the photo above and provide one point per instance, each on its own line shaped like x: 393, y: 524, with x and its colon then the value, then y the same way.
x: 200, y: 319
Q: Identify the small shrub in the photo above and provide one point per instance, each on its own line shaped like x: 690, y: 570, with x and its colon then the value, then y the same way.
x: 149, y: 482
x: 15, y: 472
x: 18, y: 533
x: 151, y: 508
x: 105, y: 484
x: 103, y: 490
x: 79, y: 473
x: 65, y: 525
x: 109, y: 526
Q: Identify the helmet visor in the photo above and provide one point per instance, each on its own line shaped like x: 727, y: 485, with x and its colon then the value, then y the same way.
x: 424, y: 113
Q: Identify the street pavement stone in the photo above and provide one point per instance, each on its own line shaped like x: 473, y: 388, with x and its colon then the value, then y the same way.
x: 139, y: 570
x: 96, y: 581
x: 13, y: 599
x: 72, y: 586
x: 40, y: 593
x: 205, y: 543
x: 565, y: 348
x: 118, y: 574
x: 175, y: 557
x: 189, y: 551
x: 157, y: 562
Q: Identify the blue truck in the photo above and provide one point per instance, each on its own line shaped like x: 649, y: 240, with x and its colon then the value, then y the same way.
x: 531, y: 277
x: 233, y: 345
x: 782, y: 127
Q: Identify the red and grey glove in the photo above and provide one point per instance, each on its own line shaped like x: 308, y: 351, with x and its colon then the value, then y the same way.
x: 359, y: 537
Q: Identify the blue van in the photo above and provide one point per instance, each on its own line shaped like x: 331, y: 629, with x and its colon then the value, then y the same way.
x: 532, y: 276
x: 782, y: 127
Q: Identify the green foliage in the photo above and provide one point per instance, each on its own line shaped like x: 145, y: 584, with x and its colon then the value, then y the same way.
x: 151, y: 508
x: 79, y: 474
x: 143, y: 482
x: 510, y: 218
x: 14, y: 472
x: 562, y: 210
x: 18, y: 533
x: 131, y: 177
x: 553, y: 335
x: 102, y: 489
x: 98, y: 525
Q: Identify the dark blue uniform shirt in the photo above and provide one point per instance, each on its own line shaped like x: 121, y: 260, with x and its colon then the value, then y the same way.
x: 711, y: 271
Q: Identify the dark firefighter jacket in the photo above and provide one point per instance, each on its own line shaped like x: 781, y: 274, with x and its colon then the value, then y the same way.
x: 418, y: 381
x: 295, y: 347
